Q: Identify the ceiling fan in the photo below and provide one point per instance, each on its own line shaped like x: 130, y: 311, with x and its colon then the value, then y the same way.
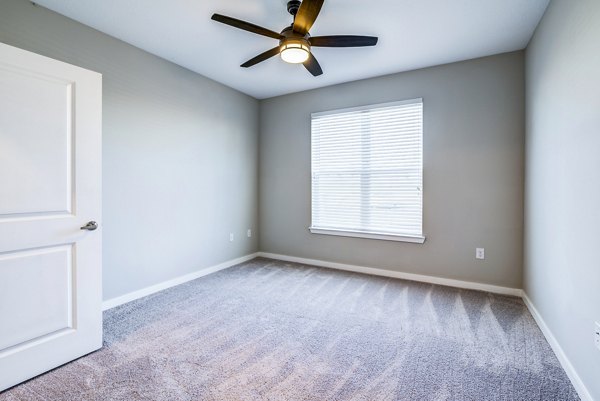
x: 294, y: 41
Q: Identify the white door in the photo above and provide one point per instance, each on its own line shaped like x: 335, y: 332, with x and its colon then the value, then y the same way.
x: 50, y: 176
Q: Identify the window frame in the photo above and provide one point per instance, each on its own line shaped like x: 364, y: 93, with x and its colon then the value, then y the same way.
x: 418, y: 239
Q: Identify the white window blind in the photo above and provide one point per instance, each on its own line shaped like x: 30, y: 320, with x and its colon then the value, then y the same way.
x: 367, y: 171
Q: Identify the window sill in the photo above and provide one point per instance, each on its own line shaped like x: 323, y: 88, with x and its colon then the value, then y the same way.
x: 359, y: 234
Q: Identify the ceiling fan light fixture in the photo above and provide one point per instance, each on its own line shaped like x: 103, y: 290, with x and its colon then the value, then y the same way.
x: 295, y: 41
x: 294, y: 52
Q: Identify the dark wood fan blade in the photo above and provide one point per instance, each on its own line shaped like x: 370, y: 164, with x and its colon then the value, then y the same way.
x: 261, y: 57
x: 343, y: 41
x: 246, y: 26
x: 306, y: 16
x: 312, y: 65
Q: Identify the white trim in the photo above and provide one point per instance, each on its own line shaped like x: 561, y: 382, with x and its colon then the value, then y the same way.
x: 395, y: 274
x: 360, y: 234
x: 583, y: 392
x: 131, y: 296
x: 366, y: 107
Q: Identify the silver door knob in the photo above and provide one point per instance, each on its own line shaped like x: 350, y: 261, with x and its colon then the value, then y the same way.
x: 90, y: 226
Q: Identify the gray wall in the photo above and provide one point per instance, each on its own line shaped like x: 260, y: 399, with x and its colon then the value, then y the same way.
x: 473, y: 171
x: 179, y: 153
x: 562, y: 208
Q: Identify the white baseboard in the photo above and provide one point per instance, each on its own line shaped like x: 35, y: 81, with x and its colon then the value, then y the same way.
x: 583, y: 392
x: 111, y: 303
x: 395, y: 274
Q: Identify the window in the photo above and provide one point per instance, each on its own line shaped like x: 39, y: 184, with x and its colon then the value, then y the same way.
x: 367, y: 171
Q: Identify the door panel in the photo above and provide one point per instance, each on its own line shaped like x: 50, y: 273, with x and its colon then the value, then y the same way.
x: 35, y: 294
x: 40, y: 145
x: 50, y: 186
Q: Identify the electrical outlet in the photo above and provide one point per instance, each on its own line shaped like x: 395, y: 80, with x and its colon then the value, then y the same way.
x: 597, y: 335
x: 480, y: 253
x: 230, y: 237
x: 249, y: 233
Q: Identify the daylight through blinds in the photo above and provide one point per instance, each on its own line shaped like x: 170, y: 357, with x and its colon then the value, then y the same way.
x: 367, y: 169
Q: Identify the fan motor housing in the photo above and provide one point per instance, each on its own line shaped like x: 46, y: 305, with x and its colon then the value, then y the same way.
x: 289, y: 36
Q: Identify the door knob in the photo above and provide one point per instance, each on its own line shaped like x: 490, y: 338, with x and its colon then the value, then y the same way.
x: 90, y: 226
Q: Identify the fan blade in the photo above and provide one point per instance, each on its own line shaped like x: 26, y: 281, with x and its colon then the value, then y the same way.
x: 306, y: 16
x: 343, y: 41
x: 246, y: 26
x: 312, y: 65
x: 261, y: 57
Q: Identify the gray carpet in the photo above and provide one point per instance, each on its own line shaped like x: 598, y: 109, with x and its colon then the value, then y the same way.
x: 268, y: 330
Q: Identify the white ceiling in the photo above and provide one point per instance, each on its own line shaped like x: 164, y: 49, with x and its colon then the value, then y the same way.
x: 412, y: 34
